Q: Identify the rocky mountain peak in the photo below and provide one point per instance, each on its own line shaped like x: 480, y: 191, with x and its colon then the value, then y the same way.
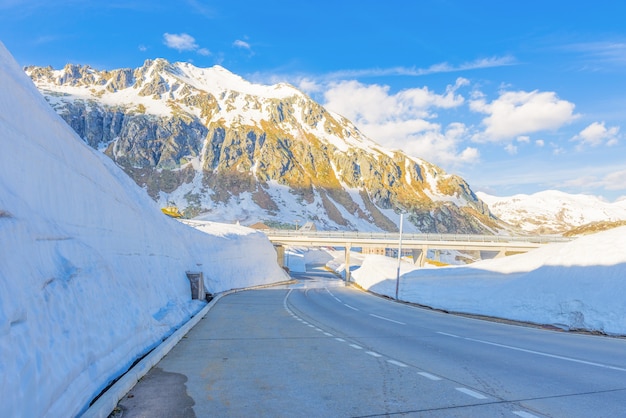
x: 226, y: 149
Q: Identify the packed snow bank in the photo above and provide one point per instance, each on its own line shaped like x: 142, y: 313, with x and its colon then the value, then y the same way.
x: 92, y: 274
x: 574, y: 285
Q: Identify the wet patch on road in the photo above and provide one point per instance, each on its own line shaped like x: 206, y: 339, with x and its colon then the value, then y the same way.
x: 159, y: 394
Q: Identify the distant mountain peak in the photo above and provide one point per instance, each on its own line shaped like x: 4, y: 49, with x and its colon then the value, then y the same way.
x: 553, y: 211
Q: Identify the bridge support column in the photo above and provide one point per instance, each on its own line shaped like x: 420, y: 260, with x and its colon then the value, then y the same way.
x: 501, y: 253
x: 347, y: 263
x: 419, y: 255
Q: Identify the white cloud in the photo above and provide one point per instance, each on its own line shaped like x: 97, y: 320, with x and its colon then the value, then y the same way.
x: 519, y: 113
x: 204, y: 51
x: 442, y: 67
x: 404, y: 120
x: 373, y: 104
x: 597, y: 134
x: 241, y: 44
x: 180, y: 42
x: 511, y: 149
x: 615, y: 180
x: 540, y: 142
x: 595, y: 53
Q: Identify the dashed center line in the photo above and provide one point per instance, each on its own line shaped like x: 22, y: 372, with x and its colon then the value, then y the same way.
x: 397, y: 363
x: 471, y: 393
x: 429, y: 376
x: 524, y: 414
x: 387, y: 319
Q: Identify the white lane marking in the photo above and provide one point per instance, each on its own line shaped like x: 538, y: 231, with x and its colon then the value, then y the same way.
x: 397, y: 363
x: 351, y: 307
x: 331, y: 293
x: 448, y: 335
x: 472, y: 393
x: 319, y: 330
x: 311, y: 326
x: 387, y: 319
x: 524, y: 414
x: 373, y: 354
x: 539, y: 353
x: 341, y: 340
x: 328, y: 334
x: 429, y: 376
x: 357, y: 347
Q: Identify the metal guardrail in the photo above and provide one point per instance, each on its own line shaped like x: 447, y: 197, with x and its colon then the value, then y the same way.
x: 387, y: 236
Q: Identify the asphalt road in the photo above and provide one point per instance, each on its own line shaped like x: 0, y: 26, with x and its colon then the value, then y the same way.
x: 319, y: 349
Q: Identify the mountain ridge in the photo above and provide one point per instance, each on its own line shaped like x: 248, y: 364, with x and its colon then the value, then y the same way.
x: 554, y: 212
x: 221, y: 147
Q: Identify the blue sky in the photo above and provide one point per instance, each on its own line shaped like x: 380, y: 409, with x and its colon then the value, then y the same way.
x: 516, y: 97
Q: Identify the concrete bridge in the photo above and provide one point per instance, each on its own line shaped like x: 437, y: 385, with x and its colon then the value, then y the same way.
x: 419, y: 244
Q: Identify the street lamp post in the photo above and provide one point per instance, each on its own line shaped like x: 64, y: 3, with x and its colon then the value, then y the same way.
x: 399, y: 258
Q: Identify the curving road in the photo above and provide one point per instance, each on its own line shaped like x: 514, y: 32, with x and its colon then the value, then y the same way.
x: 319, y: 349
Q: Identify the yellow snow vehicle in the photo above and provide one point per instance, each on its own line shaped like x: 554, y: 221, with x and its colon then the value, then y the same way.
x: 172, y: 211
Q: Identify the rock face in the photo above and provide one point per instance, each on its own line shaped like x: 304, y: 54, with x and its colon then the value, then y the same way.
x: 224, y: 149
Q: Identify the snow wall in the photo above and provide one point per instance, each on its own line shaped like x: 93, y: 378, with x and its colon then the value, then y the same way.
x: 92, y: 274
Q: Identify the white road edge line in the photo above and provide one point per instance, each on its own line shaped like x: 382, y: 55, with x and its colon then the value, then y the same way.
x: 429, y: 376
x: 351, y: 307
x: 471, y: 393
x: 397, y: 363
x: 539, y: 353
x: 387, y: 319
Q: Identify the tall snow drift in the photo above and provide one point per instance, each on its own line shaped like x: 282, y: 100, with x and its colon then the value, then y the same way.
x: 92, y: 274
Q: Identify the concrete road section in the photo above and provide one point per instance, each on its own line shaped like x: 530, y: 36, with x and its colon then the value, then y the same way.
x: 319, y: 349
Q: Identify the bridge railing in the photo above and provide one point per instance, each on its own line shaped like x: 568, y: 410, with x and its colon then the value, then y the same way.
x: 540, y: 239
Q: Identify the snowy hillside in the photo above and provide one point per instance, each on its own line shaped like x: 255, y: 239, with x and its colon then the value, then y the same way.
x: 222, y: 148
x: 92, y: 274
x: 551, y: 211
x: 576, y: 285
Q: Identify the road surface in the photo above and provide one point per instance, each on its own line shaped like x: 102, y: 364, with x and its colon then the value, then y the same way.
x: 319, y: 349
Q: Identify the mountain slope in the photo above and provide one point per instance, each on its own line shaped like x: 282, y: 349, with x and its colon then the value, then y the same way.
x: 226, y: 149
x: 553, y: 212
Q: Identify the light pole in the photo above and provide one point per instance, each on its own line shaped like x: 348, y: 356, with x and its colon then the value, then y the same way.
x: 399, y: 258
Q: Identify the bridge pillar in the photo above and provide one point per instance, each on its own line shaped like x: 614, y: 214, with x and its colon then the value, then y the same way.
x: 419, y: 255
x: 347, y: 263
x: 501, y: 253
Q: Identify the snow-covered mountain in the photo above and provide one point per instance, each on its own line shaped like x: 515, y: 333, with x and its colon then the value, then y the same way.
x: 92, y: 274
x: 553, y: 212
x: 225, y: 149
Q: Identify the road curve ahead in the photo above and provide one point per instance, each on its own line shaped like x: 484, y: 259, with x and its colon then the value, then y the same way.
x: 319, y: 349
